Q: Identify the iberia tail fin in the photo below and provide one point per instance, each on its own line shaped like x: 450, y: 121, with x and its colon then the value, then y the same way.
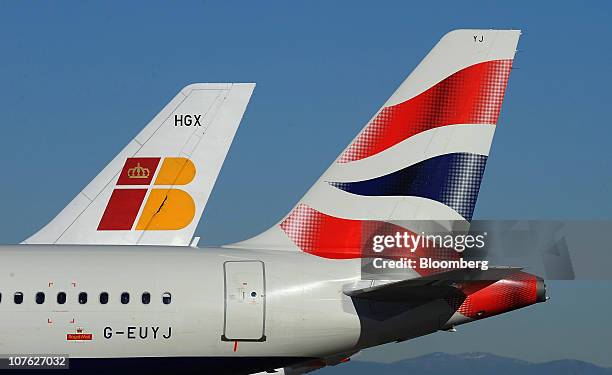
x: 155, y: 190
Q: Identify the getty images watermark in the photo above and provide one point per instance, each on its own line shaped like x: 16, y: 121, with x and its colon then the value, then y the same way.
x: 421, y: 251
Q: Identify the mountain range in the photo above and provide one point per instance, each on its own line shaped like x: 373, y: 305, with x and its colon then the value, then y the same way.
x: 466, y: 364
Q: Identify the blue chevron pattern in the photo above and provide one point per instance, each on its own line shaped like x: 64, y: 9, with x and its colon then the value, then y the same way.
x: 451, y: 179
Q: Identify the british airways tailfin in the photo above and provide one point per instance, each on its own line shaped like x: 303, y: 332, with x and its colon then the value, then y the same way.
x: 155, y: 190
x: 421, y: 157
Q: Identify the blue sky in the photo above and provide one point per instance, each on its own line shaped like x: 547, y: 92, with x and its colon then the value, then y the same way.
x: 79, y: 79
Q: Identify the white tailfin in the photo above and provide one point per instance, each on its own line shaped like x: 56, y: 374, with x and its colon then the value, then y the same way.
x: 421, y: 157
x: 155, y: 190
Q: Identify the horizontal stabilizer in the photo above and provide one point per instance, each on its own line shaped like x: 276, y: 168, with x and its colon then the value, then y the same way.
x: 431, y: 287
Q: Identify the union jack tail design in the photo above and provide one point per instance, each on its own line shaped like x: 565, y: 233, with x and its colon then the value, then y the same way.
x: 421, y: 157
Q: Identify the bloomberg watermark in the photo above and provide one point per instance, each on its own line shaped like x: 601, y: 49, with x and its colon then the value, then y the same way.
x: 425, y: 251
x: 557, y: 250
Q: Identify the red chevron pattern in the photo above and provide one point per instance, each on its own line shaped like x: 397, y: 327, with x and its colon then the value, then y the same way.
x: 473, y: 95
x: 336, y: 238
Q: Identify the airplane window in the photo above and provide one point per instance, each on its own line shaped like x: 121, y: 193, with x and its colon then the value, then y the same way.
x: 104, y: 298
x: 18, y: 298
x: 61, y: 298
x: 82, y: 298
x: 166, y: 298
x: 125, y: 298
x: 146, y: 298
x: 40, y: 298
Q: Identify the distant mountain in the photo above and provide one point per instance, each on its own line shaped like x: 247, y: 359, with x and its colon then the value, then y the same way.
x: 466, y: 364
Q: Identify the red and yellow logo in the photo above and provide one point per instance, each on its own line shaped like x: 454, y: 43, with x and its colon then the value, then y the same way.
x: 79, y: 335
x: 165, y: 208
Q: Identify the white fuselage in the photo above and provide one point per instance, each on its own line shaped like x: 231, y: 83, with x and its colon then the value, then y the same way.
x: 305, y: 313
x: 229, y: 311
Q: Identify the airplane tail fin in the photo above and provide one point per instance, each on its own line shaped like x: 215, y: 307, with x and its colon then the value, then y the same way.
x: 154, y: 191
x: 421, y: 157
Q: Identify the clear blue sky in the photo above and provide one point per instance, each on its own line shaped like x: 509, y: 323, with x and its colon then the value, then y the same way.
x: 79, y: 79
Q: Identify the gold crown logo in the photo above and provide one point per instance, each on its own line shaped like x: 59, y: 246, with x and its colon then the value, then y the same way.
x: 79, y: 330
x: 138, y: 172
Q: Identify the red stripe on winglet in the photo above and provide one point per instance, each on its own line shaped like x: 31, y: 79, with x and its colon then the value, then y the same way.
x: 486, y: 298
x: 122, y: 209
x: 473, y: 95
